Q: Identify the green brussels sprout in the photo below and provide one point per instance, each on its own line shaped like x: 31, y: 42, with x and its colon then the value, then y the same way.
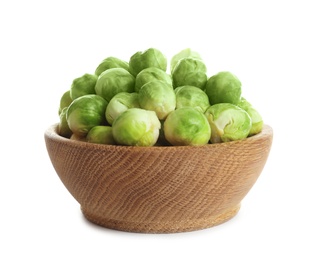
x: 150, y: 74
x: 120, y: 103
x: 157, y: 96
x: 256, y: 118
x: 190, y: 96
x: 186, y: 53
x: 78, y: 138
x: 148, y: 58
x: 64, y: 101
x: 86, y: 112
x: 223, y: 87
x: 63, y: 128
x: 83, y: 85
x: 228, y: 122
x: 100, y: 134
x: 190, y: 71
x: 136, y: 127
x: 187, y: 126
x: 110, y: 63
x: 114, y: 81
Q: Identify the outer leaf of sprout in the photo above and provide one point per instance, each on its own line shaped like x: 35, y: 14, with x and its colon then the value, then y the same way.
x: 86, y: 112
x: 187, y: 126
x: 110, y: 63
x: 83, y: 85
x: 149, y: 58
x: 136, y: 127
x: 64, y: 101
x: 190, y: 96
x: 120, y: 103
x: 100, y: 135
x: 256, y: 118
x: 228, y: 122
x: 157, y: 96
x: 114, y: 81
x: 151, y: 74
x: 186, y: 53
x: 63, y: 128
x: 190, y: 71
x: 223, y: 87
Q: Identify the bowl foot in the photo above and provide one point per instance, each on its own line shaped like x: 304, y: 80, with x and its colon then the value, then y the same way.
x: 162, y: 227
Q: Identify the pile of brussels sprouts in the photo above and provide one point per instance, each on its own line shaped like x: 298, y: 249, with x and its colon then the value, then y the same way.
x: 138, y: 103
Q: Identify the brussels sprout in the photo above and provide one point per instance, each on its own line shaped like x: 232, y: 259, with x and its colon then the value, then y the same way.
x: 136, y: 127
x: 100, y: 134
x: 223, y: 87
x: 150, y: 74
x: 157, y: 96
x: 190, y: 96
x: 78, y: 138
x: 256, y: 118
x: 190, y: 71
x: 149, y: 58
x: 243, y: 103
x: 186, y: 53
x: 83, y: 85
x: 63, y: 128
x: 110, y: 63
x: 86, y: 112
x: 64, y: 101
x: 228, y: 122
x: 114, y: 81
x: 187, y: 126
x: 120, y: 103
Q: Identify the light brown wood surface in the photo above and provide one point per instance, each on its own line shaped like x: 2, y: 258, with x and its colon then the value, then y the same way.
x: 159, y: 189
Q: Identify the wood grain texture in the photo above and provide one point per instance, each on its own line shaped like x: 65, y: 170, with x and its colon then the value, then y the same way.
x: 159, y: 189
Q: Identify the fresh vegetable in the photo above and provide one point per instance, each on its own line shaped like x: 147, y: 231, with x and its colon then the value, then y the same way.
x: 110, y: 63
x: 223, y: 87
x: 149, y: 58
x: 137, y: 127
x: 159, y: 97
x: 190, y: 96
x: 114, y: 81
x: 120, y: 103
x: 86, y: 112
x: 150, y: 74
x: 63, y: 128
x: 187, y: 126
x: 186, y: 53
x: 137, y: 103
x: 65, y: 101
x: 228, y: 122
x: 190, y: 71
x: 100, y: 135
x: 256, y: 118
x: 83, y: 85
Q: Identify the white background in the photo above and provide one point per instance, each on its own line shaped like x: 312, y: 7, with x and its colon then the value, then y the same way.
x: 270, y: 45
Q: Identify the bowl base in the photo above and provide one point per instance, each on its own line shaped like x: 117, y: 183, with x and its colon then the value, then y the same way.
x: 162, y: 227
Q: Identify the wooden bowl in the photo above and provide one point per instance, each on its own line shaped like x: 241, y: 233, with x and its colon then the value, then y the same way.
x: 159, y: 189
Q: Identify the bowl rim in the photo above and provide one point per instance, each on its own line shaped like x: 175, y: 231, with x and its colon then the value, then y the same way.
x: 51, y: 133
